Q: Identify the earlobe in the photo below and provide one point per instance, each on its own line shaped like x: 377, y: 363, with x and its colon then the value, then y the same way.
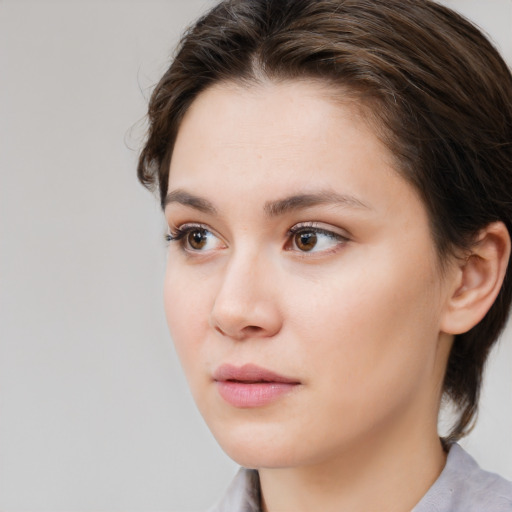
x: 478, y: 280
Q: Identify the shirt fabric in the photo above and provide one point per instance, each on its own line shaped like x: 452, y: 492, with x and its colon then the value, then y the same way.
x: 461, y: 487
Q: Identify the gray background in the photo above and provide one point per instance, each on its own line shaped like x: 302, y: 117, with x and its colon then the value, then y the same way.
x: 94, y: 411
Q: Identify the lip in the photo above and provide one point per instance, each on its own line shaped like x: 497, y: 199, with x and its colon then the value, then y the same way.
x: 250, y: 386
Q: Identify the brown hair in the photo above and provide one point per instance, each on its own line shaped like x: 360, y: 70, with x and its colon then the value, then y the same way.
x: 439, y: 91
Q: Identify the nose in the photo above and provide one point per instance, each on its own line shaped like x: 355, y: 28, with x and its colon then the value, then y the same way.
x: 246, y: 304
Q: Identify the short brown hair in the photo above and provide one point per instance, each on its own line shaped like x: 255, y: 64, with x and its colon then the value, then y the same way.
x: 438, y: 89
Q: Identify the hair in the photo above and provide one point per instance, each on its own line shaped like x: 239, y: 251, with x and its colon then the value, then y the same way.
x: 438, y: 92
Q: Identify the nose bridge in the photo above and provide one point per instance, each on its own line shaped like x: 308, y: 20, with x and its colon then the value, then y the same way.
x: 245, y: 304
x: 241, y: 270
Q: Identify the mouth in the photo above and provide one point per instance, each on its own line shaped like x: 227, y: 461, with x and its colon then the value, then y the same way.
x: 250, y: 386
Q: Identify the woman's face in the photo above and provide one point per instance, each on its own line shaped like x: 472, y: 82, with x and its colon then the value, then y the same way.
x: 302, y: 288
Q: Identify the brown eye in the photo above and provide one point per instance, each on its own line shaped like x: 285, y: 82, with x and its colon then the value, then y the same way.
x: 197, y: 238
x: 314, y: 239
x: 194, y: 238
x: 305, y: 240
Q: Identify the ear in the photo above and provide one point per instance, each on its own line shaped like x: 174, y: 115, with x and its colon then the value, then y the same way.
x: 477, y: 280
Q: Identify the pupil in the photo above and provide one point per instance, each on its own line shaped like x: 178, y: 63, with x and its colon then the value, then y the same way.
x: 306, y: 241
x: 197, y: 239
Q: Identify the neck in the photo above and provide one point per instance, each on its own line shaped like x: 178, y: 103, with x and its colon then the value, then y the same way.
x: 389, y: 476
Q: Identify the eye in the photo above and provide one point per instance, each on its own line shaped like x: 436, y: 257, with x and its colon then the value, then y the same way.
x: 312, y: 239
x: 196, y: 238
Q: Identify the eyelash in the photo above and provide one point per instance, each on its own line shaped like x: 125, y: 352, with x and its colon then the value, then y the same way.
x: 313, y: 227
x: 179, y: 234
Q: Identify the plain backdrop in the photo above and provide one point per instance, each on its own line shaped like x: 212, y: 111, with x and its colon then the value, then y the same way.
x: 95, y: 414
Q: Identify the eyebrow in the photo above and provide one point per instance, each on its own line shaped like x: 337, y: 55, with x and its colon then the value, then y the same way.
x: 300, y: 201
x: 271, y: 208
x: 187, y: 199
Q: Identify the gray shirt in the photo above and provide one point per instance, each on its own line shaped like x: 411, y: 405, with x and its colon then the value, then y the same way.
x: 461, y: 487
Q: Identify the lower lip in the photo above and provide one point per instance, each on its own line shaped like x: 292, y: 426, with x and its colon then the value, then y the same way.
x: 245, y: 395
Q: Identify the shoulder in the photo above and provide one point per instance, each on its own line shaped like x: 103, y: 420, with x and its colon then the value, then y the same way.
x: 464, y: 487
x: 242, y: 495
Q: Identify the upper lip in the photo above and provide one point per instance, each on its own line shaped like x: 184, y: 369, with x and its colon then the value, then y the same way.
x: 249, y: 373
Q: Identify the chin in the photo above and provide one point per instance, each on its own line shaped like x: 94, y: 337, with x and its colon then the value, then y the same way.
x: 255, y: 456
x: 261, y: 446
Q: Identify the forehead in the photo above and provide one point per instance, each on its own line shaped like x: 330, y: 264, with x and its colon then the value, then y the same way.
x: 270, y: 129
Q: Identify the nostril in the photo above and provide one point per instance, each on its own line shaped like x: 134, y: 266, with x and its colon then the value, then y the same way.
x: 252, y: 329
x: 246, y: 332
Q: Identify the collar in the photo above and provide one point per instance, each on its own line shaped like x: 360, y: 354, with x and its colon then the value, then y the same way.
x: 461, y: 487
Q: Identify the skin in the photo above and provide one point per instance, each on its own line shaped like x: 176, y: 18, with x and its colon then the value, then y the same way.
x: 359, y: 320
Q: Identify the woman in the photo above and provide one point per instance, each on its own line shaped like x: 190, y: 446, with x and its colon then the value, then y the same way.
x: 336, y: 176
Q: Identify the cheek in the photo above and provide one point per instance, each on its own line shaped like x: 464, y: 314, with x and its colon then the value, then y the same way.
x: 186, y: 312
x: 372, y: 328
